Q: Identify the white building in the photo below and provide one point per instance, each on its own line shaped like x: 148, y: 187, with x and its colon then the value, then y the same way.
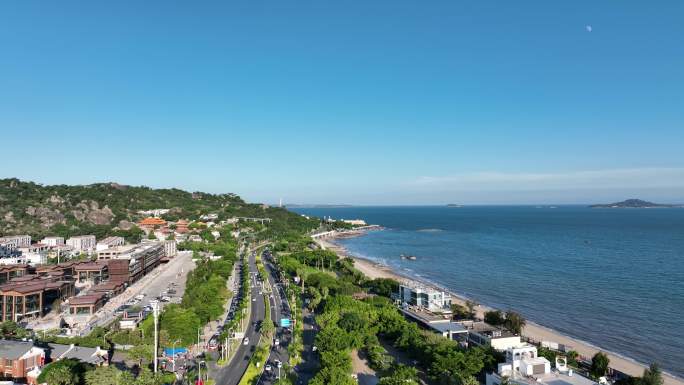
x: 109, y: 242
x: 483, y: 334
x: 82, y: 243
x: 16, y: 240
x: 355, y: 222
x: 416, y: 294
x: 170, y: 249
x: 209, y: 217
x: 53, y: 241
x: 523, y: 366
x: 34, y: 254
x: 154, y: 212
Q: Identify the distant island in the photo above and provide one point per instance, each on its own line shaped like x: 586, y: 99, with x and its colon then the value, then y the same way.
x: 632, y: 203
x: 454, y: 205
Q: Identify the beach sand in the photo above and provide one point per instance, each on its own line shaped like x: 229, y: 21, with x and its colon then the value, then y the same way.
x: 533, y: 331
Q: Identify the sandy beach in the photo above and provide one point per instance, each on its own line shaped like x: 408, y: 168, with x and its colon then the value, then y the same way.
x: 531, y: 330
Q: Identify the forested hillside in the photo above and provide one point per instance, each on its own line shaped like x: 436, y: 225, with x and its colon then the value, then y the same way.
x: 106, y: 209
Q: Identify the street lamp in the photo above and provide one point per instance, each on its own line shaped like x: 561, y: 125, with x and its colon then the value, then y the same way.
x: 155, y: 312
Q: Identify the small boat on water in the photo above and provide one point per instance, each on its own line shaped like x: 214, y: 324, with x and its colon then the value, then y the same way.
x: 409, y: 257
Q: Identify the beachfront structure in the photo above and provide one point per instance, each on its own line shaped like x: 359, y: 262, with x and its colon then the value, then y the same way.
x: 437, y: 323
x: 20, y: 361
x: 16, y: 241
x: 523, y: 366
x: 109, y: 242
x: 483, y: 334
x: 52, y: 241
x: 422, y: 296
x: 355, y: 222
x: 82, y: 243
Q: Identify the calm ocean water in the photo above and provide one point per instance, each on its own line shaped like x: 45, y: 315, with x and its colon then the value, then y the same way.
x: 611, y: 277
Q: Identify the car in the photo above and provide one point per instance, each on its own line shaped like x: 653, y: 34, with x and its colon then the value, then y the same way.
x: 245, y: 341
x: 253, y: 299
x: 166, y: 298
x: 140, y: 297
x: 277, y: 342
x: 278, y: 364
x: 268, y: 368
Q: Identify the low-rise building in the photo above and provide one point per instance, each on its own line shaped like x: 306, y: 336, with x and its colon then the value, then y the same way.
x: 483, y: 334
x: 87, y: 304
x: 151, y: 223
x: 91, y: 272
x: 82, y: 243
x: 94, y: 356
x: 523, y: 366
x: 20, y: 361
x: 109, y: 242
x: 53, y: 241
x: 31, y: 296
x: 419, y: 295
x: 9, y: 272
x: 35, y: 254
x: 436, y: 323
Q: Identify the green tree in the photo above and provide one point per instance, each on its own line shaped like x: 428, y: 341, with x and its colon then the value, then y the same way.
x: 141, y: 353
x: 61, y: 375
x: 599, y: 365
x: 494, y: 317
x: 471, y: 305
x: 514, y: 322
x: 652, y: 375
x: 63, y: 372
x: 401, y: 375
x: 106, y: 375
x: 459, y: 311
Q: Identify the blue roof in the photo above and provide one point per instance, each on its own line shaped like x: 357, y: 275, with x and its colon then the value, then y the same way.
x: 172, y: 351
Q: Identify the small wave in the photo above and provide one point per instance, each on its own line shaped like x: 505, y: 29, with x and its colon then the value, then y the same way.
x: 429, y: 230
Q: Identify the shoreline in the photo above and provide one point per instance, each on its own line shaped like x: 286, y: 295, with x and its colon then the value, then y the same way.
x: 532, y: 330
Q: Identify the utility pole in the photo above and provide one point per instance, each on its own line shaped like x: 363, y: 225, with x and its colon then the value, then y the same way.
x: 155, y: 312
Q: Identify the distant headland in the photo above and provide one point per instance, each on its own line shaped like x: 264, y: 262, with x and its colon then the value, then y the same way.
x: 633, y: 203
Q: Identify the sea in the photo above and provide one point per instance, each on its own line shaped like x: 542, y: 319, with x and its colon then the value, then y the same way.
x: 611, y: 277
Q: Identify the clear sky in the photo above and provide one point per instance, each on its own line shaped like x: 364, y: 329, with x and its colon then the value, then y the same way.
x: 363, y: 102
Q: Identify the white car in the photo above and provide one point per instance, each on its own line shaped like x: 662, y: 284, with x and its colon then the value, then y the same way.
x: 268, y: 368
x: 245, y: 341
x: 277, y: 342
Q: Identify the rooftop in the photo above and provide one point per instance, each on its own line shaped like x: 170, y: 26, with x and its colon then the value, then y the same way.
x: 553, y: 378
x: 14, y: 349
x: 88, y: 299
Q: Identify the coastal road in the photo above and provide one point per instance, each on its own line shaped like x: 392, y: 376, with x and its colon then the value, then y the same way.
x: 232, y: 373
x: 279, y: 309
x: 310, y: 363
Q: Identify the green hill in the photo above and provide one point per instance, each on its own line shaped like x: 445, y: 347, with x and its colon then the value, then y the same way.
x: 106, y: 209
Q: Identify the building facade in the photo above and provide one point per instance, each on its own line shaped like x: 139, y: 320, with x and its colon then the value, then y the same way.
x: 16, y: 240
x: 82, y: 243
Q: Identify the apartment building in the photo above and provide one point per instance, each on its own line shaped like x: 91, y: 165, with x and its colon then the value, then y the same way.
x: 16, y: 240
x: 109, y: 242
x: 82, y: 243
x: 53, y: 241
x: 419, y: 295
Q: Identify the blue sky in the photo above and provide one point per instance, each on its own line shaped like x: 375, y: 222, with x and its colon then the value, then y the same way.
x: 364, y: 102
